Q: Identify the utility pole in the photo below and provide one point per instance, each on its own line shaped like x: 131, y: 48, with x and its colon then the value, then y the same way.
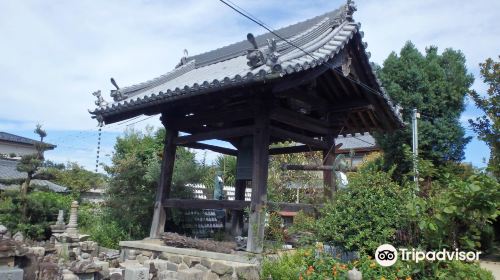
x: 415, y: 115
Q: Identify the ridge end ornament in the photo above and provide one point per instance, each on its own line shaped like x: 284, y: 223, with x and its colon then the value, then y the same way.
x: 116, y: 94
x: 260, y: 56
x: 100, y: 102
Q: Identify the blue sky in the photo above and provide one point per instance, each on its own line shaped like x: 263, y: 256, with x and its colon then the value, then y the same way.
x: 54, y: 54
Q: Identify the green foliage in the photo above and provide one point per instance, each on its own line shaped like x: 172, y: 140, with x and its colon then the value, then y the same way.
x: 101, y: 226
x: 42, y: 210
x: 287, y: 266
x: 436, y: 85
x: 76, y: 178
x: 305, y: 265
x: 135, y: 174
x: 488, y: 126
x: 458, y: 214
x: 366, y: 214
x: 279, y: 180
x: 274, y: 230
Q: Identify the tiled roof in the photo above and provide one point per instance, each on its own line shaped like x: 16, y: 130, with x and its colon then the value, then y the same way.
x: 324, y: 37
x: 38, y: 184
x: 357, y: 141
x: 8, y: 137
x: 8, y: 170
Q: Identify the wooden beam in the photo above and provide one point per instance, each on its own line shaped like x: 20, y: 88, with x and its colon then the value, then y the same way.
x: 234, y: 205
x: 329, y: 178
x: 288, y: 135
x: 299, y: 120
x: 316, y: 102
x: 217, y: 149
x: 206, y: 204
x: 164, y: 186
x: 206, y: 118
x: 293, y: 150
x: 297, y: 149
x: 292, y: 207
x: 215, y: 134
x: 293, y: 81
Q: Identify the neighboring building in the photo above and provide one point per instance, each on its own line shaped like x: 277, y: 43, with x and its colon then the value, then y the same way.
x: 360, y: 145
x: 11, y: 178
x: 12, y: 147
x: 11, y: 144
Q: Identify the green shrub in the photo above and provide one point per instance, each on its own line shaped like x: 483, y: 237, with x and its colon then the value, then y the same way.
x: 305, y: 264
x: 366, y: 214
x: 42, y: 211
x: 458, y: 214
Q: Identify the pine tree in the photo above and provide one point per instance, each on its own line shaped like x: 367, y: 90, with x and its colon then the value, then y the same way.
x: 30, y: 164
x: 435, y: 84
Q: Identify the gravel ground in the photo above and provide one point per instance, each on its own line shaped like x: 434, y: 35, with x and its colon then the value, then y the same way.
x: 494, y: 267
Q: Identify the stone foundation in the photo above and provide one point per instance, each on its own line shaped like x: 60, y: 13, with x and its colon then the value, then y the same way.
x: 192, y: 264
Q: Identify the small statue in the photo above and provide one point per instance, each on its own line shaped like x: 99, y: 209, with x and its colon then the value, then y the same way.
x: 100, y: 100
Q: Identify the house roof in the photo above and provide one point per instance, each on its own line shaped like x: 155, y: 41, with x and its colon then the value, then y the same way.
x: 9, y: 137
x: 323, y: 38
x: 8, y: 170
x: 356, y: 142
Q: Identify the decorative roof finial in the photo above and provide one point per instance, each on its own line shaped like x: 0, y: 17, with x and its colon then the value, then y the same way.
x: 349, y: 10
x: 114, y: 83
x: 100, y: 100
x: 258, y: 57
x: 183, y: 59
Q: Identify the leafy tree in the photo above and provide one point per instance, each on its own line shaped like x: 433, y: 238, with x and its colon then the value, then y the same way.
x: 30, y: 164
x: 436, y: 85
x: 77, y: 178
x: 369, y: 212
x: 135, y: 174
x: 488, y: 126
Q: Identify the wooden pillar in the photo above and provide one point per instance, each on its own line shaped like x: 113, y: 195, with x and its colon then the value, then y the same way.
x: 329, y: 178
x: 163, y: 190
x: 260, y: 162
x: 237, y: 215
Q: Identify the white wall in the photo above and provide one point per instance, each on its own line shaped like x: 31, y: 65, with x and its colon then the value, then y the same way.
x: 8, y: 148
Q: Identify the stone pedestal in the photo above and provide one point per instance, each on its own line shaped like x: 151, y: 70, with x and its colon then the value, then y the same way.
x: 7, y: 273
x: 136, y: 273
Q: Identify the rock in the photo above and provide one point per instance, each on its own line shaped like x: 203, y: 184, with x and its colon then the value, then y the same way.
x: 247, y: 272
x: 141, y: 259
x: 228, y: 277
x: 37, y: 251
x: 354, y: 274
x: 104, y: 266
x: 200, y: 267
x: 206, y: 263
x: 19, y: 237
x: 221, y: 268
x: 175, y: 258
x: 11, y: 273
x: 146, y: 253
x: 68, y: 275
x: 136, y: 273
x: 162, y: 265
x: 182, y: 266
x: 190, y: 274
x: 168, y: 275
x: 211, y: 276
x: 191, y: 261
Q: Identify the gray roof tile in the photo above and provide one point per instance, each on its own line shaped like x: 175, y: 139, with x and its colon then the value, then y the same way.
x: 9, y: 137
x: 323, y: 37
